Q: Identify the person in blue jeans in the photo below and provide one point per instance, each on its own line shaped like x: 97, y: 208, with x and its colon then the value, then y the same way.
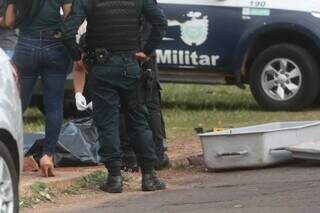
x: 8, y: 36
x: 40, y: 53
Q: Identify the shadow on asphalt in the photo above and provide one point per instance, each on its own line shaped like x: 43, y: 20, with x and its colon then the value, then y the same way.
x: 291, y: 164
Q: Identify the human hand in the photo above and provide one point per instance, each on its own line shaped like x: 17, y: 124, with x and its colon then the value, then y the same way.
x: 2, y: 23
x: 141, y: 56
x: 81, y: 102
x: 79, y: 65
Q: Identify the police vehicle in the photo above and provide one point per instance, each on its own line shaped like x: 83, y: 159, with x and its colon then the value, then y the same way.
x: 272, y: 45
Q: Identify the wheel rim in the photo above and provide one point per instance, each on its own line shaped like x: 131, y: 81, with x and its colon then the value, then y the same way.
x: 281, y: 79
x: 6, y: 188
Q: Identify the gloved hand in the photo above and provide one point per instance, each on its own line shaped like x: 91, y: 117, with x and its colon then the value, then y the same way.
x: 81, y: 102
x: 90, y: 105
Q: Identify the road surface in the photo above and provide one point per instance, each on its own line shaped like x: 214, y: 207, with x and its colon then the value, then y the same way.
x: 290, y: 189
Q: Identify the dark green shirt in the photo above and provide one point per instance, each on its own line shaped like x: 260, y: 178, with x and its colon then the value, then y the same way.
x: 49, y: 17
x: 81, y: 10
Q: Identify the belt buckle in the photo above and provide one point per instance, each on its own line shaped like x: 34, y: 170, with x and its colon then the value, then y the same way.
x: 57, y: 34
x: 102, y: 55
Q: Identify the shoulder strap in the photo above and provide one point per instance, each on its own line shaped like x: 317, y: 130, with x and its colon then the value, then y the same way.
x: 139, y: 5
x: 90, y: 6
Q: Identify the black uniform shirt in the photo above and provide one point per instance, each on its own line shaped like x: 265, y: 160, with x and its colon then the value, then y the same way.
x: 81, y: 10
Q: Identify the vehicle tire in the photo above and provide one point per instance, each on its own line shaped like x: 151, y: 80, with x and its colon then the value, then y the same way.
x: 284, y: 77
x: 9, y: 197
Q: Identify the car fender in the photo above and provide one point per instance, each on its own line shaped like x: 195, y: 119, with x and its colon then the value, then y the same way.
x: 306, y: 24
x: 10, y: 104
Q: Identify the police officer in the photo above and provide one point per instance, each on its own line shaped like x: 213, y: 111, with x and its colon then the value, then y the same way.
x: 153, y: 102
x: 151, y: 91
x: 113, y: 41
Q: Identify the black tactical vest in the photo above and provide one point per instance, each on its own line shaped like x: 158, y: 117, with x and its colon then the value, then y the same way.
x: 114, y: 25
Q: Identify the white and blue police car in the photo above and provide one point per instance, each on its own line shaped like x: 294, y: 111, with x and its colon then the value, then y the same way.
x: 272, y: 45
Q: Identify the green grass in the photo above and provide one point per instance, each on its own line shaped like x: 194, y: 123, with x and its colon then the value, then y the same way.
x: 188, y: 106
x: 33, y: 120
x: 39, y: 192
x: 90, y: 182
x: 93, y: 182
x: 203, y: 97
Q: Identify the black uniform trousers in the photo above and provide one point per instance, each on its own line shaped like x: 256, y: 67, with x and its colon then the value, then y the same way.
x: 151, y: 93
x: 112, y: 84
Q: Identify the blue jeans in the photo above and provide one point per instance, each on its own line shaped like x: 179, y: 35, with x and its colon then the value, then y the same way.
x: 48, y: 59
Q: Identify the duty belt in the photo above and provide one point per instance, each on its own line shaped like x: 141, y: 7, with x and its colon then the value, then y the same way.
x: 103, y: 55
x: 49, y: 34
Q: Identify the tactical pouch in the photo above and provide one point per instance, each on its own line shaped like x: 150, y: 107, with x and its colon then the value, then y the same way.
x: 99, y: 56
x: 147, y: 84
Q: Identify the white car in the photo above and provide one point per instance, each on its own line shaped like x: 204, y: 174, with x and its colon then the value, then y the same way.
x: 11, y: 137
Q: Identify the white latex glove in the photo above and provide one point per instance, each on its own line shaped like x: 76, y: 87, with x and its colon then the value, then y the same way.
x: 81, y: 102
x: 90, y: 106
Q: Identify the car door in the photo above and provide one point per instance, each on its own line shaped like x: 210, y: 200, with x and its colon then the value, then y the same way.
x: 202, y: 34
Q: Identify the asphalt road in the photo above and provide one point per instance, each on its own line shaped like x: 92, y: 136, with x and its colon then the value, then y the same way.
x: 290, y: 189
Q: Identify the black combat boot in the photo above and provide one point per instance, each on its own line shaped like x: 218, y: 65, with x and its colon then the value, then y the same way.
x: 163, y: 162
x: 158, y: 183
x: 150, y: 181
x: 114, y: 184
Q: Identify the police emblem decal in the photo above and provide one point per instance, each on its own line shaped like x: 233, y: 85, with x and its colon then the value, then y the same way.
x: 195, y: 31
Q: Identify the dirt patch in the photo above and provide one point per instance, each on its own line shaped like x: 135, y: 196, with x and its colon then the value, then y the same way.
x: 183, y: 146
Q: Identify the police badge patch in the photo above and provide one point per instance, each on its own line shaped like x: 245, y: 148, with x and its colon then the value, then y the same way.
x: 195, y: 31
